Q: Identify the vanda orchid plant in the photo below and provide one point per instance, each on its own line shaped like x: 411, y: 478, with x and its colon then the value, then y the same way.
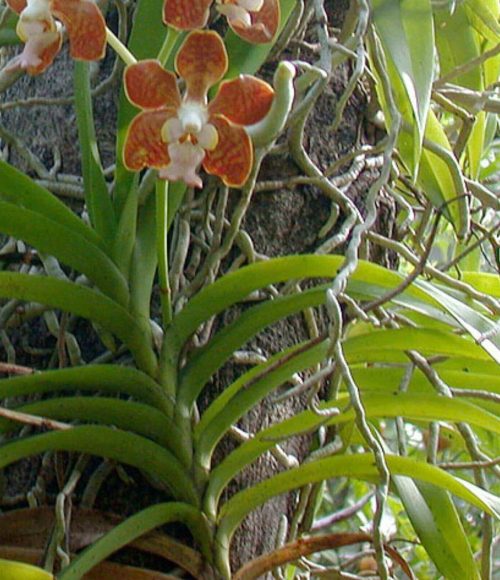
x: 194, y: 124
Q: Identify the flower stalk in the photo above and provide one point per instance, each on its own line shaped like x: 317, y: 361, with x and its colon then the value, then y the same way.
x: 121, y: 50
x: 162, y: 250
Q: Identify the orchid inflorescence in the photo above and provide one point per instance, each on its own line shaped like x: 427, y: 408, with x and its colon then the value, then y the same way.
x: 174, y: 134
x: 39, y: 29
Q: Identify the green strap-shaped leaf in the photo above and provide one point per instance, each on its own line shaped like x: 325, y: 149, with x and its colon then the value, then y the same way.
x: 270, y: 370
x: 436, y: 174
x: 359, y: 465
x: 130, y: 416
x: 388, y: 380
x: 123, y: 446
x: 475, y: 323
x: 90, y: 378
x: 483, y: 281
x: 209, y: 359
x: 457, y: 43
x: 19, y: 189
x: 125, y: 239
x: 71, y: 297
x: 97, y: 196
x: 427, y: 309
x: 483, y: 15
x: 440, y: 177
x: 406, y: 31
x: 210, y: 431
x: 134, y: 527
x: 144, y: 260
x: 438, y: 527
x: 416, y: 407
x: 385, y: 345
x: 236, y: 286
x: 67, y: 246
x: 467, y: 364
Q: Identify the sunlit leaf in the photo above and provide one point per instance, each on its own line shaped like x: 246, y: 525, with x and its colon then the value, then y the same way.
x: 406, y: 31
x: 414, y: 407
x: 457, y: 44
x: 473, y: 322
x: 483, y: 15
x: 438, y: 527
x: 359, y: 466
x: 10, y: 570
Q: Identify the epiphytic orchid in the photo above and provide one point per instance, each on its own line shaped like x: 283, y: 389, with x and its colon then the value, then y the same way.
x: 255, y: 21
x: 176, y: 134
x: 42, y: 36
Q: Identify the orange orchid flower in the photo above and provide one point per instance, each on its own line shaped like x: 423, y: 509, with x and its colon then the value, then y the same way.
x: 42, y: 36
x: 177, y: 134
x: 255, y: 21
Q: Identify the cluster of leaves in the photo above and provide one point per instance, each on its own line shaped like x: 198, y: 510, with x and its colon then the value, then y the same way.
x: 414, y: 355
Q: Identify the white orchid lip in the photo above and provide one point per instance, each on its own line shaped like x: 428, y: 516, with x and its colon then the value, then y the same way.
x: 188, y: 136
x: 35, y: 20
x: 185, y: 161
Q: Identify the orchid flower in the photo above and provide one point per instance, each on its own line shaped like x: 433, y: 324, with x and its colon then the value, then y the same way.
x: 42, y: 36
x: 255, y: 21
x: 176, y: 134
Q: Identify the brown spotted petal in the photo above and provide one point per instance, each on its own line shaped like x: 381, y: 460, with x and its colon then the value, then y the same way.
x: 17, y: 5
x: 186, y: 14
x: 244, y: 100
x: 85, y: 25
x: 201, y: 62
x: 46, y: 49
x: 264, y: 24
x: 40, y: 50
x: 144, y: 146
x: 232, y: 159
x: 149, y: 86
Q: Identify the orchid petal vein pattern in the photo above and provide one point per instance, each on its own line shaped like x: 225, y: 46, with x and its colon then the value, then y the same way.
x: 40, y: 28
x: 177, y: 134
x: 256, y: 21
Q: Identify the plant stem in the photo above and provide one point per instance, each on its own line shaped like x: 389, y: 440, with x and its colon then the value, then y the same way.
x: 162, y: 249
x: 121, y: 50
x: 168, y: 45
